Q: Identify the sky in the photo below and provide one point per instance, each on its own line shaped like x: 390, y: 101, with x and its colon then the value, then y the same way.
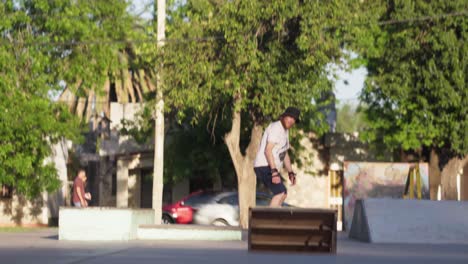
x: 349, y: 93
x: 345, y: 93
x: 143, y: 7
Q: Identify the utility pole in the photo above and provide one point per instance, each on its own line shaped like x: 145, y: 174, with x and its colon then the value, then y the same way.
x: 159, y: 120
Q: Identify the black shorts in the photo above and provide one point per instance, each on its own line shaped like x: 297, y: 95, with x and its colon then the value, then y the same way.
x: 264, y: 175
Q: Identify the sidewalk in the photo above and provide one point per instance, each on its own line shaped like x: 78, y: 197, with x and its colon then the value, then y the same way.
x: 43, y: 247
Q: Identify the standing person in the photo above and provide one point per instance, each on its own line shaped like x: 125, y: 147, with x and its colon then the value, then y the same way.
x: 79, y: 189
x: 273, y: 153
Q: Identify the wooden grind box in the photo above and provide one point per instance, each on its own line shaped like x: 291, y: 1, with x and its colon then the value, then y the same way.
x: 292, y: 229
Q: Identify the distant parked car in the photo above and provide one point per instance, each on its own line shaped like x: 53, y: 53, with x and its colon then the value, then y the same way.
x: 181, y: 212
x: 224, y: 211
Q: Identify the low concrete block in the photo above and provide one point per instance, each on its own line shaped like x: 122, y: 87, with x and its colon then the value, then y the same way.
x: 410, y: 221
x: 188, y: 232
x: 102, y: 223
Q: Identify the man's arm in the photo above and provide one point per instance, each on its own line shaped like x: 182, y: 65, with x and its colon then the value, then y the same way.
x: 275, y: 178
x: 287, y: 164
x: 82, y: 200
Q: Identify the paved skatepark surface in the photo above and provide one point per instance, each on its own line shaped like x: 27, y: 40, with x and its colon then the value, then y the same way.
x: 42, y: 246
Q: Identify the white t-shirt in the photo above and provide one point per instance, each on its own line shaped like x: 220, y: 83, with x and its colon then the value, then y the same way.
x: 277, y: 134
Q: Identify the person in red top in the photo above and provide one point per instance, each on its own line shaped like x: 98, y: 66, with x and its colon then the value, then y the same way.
x: 79, y: 196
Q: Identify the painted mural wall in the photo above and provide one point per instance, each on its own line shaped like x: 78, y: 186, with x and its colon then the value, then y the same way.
x: 378, y: 180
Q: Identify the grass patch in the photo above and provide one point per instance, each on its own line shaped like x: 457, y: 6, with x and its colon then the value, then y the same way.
x: 19, y: 229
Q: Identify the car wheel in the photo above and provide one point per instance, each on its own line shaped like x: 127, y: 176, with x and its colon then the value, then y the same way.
x: 166, y: 220
x: 220, y: 222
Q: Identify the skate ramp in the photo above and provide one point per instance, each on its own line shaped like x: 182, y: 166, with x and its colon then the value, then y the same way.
x: 410, y: 221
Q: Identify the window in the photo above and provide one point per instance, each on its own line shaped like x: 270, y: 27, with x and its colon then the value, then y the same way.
x: 232, y: 199
x: 199, y: 199
x: 5, y: 191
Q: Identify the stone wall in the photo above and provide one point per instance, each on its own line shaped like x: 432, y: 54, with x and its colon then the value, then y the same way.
x: 18, y: 211
x: 311, y: 189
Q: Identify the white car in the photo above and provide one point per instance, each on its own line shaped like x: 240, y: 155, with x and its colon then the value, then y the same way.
x: 224, y: 211
x: 217, y: 214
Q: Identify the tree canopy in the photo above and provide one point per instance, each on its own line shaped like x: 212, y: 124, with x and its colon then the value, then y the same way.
x: 416, y: 90
x: 350, y: 119
x: 416, y: 87
x: 268, y: 54
x: 45, y: 44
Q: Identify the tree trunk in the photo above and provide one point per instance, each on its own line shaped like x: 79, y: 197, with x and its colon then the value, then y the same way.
x: 69, y: 96
x: 449, y: 177
x: 128, y: 85
x: 103, y: 100
x: 89, y: 106
x: 142, y: 81
x: 80, y: 108
x: 244, y: 165
x: 136, y: 84
x: 464, y: 183
x: 434, y: 174
x: 122, y: 96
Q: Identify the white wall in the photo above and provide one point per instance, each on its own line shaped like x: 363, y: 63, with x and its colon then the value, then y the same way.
x: 102, y: 223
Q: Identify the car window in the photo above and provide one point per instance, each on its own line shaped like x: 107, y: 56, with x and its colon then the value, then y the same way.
x: 232, y: 199
x: 198, y: 199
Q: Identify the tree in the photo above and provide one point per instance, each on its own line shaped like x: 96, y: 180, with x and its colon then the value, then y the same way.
x: 349, y: 119
x: 247, y: 61
x: 43, y: 44
x: 416, y: 86
x: 192, y: 152
x: 29, y: 122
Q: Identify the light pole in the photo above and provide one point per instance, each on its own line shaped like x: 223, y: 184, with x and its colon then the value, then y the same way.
x: 159, y: 120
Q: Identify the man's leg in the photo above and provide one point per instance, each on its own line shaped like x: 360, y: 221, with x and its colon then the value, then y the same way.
x: 284, y: 198
x: 278, y: 199
x: 279, y: 190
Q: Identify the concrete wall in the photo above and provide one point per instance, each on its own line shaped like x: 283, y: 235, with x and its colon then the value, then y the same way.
x: 129, y: 179
x: 134, y: 189
x: 59, y: 158
x: 311, y: 182
x: 102, y: 223
x: 18, y: 211
x: 347, y: 147
x: 117, y: 143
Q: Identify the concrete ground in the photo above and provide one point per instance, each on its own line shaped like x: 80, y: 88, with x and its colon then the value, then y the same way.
x: 43, y: 247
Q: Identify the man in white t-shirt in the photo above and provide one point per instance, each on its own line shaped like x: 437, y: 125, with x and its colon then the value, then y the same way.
x: 273, y: 154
